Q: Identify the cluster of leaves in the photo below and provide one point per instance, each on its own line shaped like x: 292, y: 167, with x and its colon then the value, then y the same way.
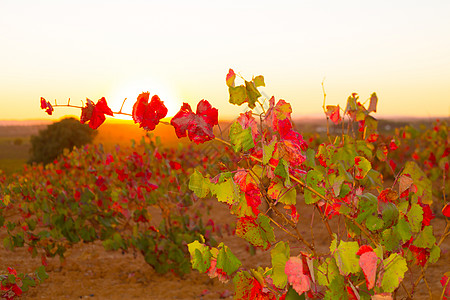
x: 13, y: 285
x: 127, y: 198
x: 429, y: 148
x: 387, y: 231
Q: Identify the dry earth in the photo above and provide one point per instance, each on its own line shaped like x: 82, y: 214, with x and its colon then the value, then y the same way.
x: 90, y: 272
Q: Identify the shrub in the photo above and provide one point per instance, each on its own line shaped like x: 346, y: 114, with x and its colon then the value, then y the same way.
x: 65, y: 134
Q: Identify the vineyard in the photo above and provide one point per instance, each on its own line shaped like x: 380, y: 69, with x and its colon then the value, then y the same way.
x: 254, y: 209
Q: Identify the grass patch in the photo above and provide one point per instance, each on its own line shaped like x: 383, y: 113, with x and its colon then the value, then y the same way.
x: 10, y: 166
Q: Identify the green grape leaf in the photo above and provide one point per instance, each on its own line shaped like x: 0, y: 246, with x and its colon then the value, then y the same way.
x: 199, y: 184
x: 241, y: 139
x: 425, y: 239
x: 226, y: 191
x: 337, y: 184
x: 310, y: 161
x: 327, y: 271
x: 352, y: 229
x: 278, y: 192
x: 314, y: 180
x: 373, y: 223
x: 238, y: 94
x: 252, y: 93
x: 200, y: 256
x: 282, y: 169
x: 379, y: 251
x: 390, y: 239
x: 370, y: 130
x: 390, y: 214
x: 41, y: 274
x: 362, y: 167
x: 280, y: 255
x: 394, y: 271
x: 368, y: 206
x: 337, y: 289
x: 346, y: 258
x: 268, y: 151
x: 365, y: 148
x: 227, y: 261
x: 415, y: 217
x: 293, y: 295
x: 259, y: 81
x: 435, y: 253
x: 404, y: 230
x: 334, y: 243
x: 256, y: 231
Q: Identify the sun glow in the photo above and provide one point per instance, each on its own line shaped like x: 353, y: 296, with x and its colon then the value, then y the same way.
x: 130, y: 90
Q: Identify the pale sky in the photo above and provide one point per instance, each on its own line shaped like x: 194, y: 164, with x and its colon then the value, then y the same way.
x: 182, y: 50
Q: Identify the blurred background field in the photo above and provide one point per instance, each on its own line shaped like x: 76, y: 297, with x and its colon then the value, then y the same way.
x: 15, y: 138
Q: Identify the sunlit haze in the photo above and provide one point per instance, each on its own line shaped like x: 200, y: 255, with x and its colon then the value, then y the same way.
x: 182, y: 50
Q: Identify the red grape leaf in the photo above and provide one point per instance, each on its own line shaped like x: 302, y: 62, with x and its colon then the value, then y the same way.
x: 295, y: 275
x: 388, y: 196
x: 446, y: 210
x: 363, y: 249
x: 291, y: 142
x: 102, y: 107
x: 368, y: 263
x: 199, y: 125
x: 280, y: 111
x: 333, y: 113
x: 257, y: 231
x: 148, y: 114
x: 95, y: 113
x: 214, y: 272
x: 250, y: 188
x: 230, y: 78
x: 47, y: 106
x: 248, y: 121
x: 247, y: 286
x: 445, y: 282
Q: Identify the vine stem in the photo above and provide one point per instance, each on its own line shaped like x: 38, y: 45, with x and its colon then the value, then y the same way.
x: 324, y: 220
x: 122, y: 105
x: 426, y: 283
x: 323, y: 217
x: 67, y: 105
x: 286, y: 220
x: 300, y: 238
x: 406, y: 290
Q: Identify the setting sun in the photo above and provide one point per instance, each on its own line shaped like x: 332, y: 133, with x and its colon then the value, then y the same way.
x: 132, y: 88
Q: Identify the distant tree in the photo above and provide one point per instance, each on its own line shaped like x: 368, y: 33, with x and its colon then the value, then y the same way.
x: 65, y: 134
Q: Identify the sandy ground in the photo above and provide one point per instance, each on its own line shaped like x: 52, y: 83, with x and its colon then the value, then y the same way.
x: 90, y: 272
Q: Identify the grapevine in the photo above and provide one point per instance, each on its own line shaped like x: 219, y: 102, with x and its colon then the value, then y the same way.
x: 380, y: 226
